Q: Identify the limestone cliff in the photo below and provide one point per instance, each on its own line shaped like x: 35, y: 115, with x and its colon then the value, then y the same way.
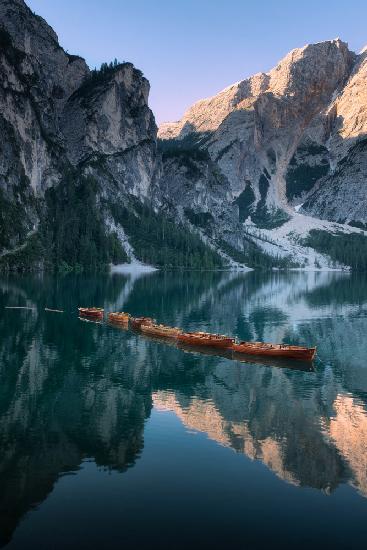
x: 341, y: 194
x: 276, y: 140
x: 66, y: 131
x: 77, y: 159
x: 254, y: 127
x: 243, y: 178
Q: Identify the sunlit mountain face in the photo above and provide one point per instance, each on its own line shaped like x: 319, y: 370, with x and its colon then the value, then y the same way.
x: 101, y: 422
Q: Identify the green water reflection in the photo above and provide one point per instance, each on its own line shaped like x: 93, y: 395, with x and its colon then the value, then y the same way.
x: 72, y: 391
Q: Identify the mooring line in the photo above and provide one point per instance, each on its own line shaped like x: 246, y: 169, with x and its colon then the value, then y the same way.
x: 20, y: 307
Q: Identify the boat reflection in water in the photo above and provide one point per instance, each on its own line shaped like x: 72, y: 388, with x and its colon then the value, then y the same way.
x: 279, y: 362
x: 168, y: 336
x: 230, y: 355
x: 116, y: 408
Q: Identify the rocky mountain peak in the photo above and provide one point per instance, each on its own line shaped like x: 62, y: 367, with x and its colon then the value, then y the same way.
x: 236, y: 163
x: 311, y: 72
x: 67, y: 130
x: 321, y: 64
x: 275, y: 141
x: 265, y: 116
x: 20, y: 21
x: 108, y: 114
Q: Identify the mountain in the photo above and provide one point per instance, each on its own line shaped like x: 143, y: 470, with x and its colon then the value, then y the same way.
x: 270, y: 172
x: 260, y: 157
x: 341, y: 194
x: 78, y: 158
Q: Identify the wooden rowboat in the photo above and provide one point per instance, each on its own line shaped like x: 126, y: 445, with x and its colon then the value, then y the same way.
x: 91, y: 312
x: 137, y: 322
x: 278, y: 362
x: 206, y: 339
x: 274, y: 350
x: 160, y: 330
x: 120, y: 318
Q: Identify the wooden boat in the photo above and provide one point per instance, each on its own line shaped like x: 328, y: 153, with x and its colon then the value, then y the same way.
x: 120, y: 318
x: 137, y: 322
x: 274, y: 350
x: 277, y: 362
x: 206, y: 339
x: 91, y: 312
x: 160, y: 330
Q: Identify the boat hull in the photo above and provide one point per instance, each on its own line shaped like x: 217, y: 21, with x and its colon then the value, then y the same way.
x: 288, y: 352
x: 119, y: 318
x: 91, y: 313
x: 137, y: 322
x: 193, y: 340
x: 161, y: 333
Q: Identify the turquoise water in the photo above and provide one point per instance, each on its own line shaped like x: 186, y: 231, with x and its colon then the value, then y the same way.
x: 109, y: 439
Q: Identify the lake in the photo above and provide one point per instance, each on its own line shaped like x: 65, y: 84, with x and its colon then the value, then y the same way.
x: 109, y: 439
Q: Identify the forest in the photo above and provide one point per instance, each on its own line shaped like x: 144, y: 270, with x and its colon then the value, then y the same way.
x: 161, y: 241
x: 348, y: 249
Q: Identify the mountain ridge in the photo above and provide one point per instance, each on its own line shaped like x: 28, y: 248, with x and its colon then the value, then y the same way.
x: 279, y: 139
x: 78, y: 158
x: 246, y: 177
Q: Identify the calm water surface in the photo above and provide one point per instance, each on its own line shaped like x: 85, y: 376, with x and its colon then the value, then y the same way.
x: 111, y: 440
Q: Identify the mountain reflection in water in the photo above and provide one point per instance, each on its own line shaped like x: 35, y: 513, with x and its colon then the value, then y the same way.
x: 72, y: 391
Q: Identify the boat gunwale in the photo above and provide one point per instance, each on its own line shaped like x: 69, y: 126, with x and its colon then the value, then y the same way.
x: 275, y: 350
x: 161, y: 330
x: 208, y: 336
x: 119, y: 316
x: 269, y: 345
x: 137, y: 322
x: 91, y: 311
x: 206, y: 339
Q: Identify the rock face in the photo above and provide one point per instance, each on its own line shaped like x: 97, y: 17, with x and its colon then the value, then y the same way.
x: 78, y: 160
x: 82, y: 182
x: 37, y: 79
x: 341, y: 195
x: 255, y: 127
x: 109, y: 116
x: 60, y: 119
x: 294, y: 135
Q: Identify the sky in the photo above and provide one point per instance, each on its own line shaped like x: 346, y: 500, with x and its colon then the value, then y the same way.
x: 191, y: 49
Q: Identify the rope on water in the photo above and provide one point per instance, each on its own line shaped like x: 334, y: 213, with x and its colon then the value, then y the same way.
x: 19, y: 307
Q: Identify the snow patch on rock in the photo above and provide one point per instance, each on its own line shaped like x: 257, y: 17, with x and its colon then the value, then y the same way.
x: 135, y: 265
x: 134, y: 268
x: 287, y: 239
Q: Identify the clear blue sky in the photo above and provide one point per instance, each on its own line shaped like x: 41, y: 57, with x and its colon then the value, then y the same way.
x: 190, y: 49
